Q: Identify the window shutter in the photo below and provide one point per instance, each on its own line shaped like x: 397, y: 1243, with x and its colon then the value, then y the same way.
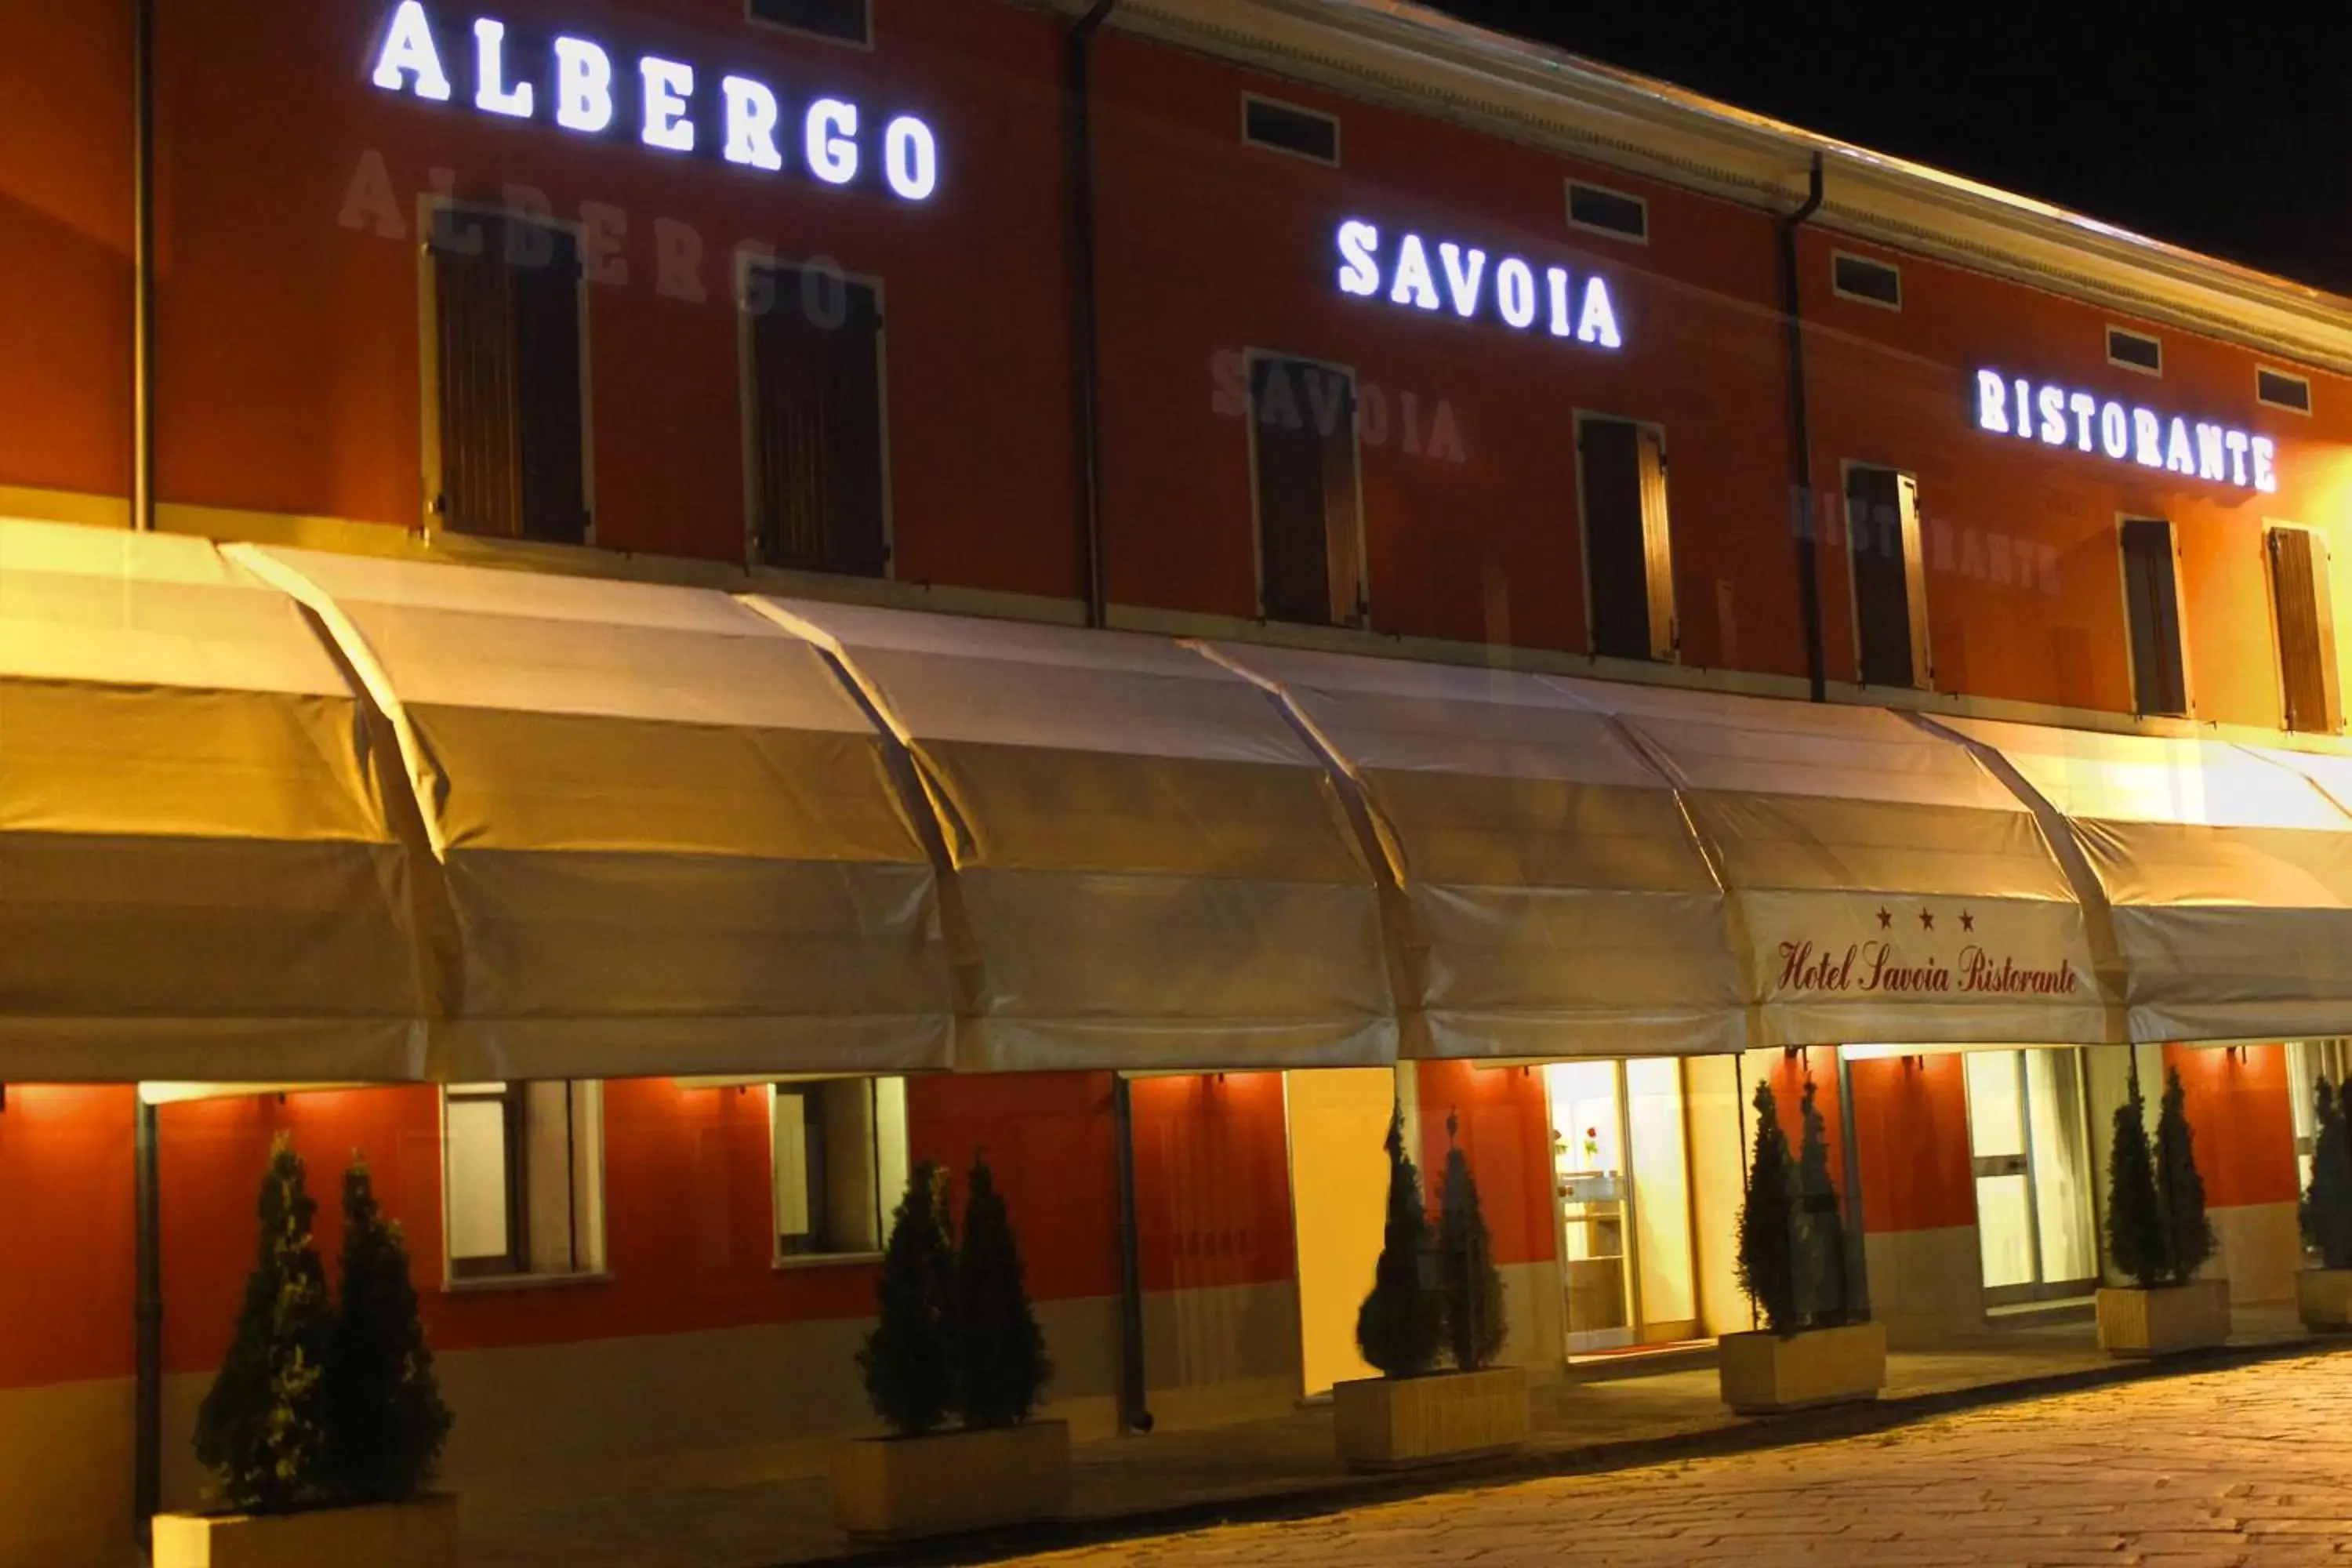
x: 1915, y: 579
x: 2306, y: 631
x: 1657, y: 548
x: 1303, y: 494
x: 2152, y: 598
x: 817, y: 374
x: 1616, y: 541
x: 480, y: 488
x: 551, y: 446
x: 1889, y: 588
x: 1342, y: 544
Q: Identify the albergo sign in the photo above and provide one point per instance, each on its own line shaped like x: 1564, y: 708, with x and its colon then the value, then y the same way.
x: 664, y: 104
x: 2056, y: 415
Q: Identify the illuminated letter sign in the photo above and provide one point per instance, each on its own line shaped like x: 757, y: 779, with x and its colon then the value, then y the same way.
x: 662, y: 103
x: 2051, y: 415
x: 1447, y: 277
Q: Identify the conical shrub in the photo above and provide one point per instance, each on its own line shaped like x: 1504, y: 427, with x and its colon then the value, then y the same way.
x: 263, y: 1428
x: 1399, y: 1326
x: 2326, y: 1210
x: 2136, y: 1231
x: 907, y: 1362
x: 2180, y: 1190
x: 1766, y: 1266
x: 999, y: 1351
x: 386, y: 1420
x: 1471, y: 1286
x: 1821, y: 1283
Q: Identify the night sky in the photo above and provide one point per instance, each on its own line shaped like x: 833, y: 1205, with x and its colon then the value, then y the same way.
x: 2227, y: 128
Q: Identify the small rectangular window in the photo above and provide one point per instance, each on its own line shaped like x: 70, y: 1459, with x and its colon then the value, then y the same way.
x: 841, y: 1162
x: 2152, y: 602
x: 1303, y: 462
x: 2306, y: 622
x: 1872, y: 282
x: 1629, y: 578
x: 818, y: 462
x: 1285, y: 128
x: 844, y: 21
x: 2279, y: 390
x: 1890, y: 584
x: 522, y: 1178
x: 1608, y: 211
x: 2135, y: 351
x: 508, y: 302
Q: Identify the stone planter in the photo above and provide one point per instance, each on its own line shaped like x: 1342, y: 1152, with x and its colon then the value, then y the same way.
x: 901, y: 1489
x: 2323, y: 1296
x: 2170, y: 1318
x: 420, y: 1534
x: 1394, y: 1422
x: 1763, y: 1373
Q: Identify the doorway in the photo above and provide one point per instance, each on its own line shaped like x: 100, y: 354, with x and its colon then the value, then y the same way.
x: 1621, y: 1168
x: 1339, y: 1126
x: 2029, y: 1133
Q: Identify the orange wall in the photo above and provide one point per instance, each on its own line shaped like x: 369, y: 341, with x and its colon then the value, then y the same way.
x: 1213, y: 1182
x: 66, y: 1260
x: 1911, y: 1136
x: 2241, y: 1119
x: 1503, y: 1125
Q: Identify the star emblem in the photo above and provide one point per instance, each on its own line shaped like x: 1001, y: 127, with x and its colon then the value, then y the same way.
x: 1926, y: 921
x: 1968, y: 921
x: 1886, y: 919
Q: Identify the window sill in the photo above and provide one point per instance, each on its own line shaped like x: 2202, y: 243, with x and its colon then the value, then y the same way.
x: 801, y: 1260
x: 499, y: 1284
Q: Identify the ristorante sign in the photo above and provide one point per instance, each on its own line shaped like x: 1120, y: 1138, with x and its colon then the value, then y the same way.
x: 1890, y: 965
x: 670, y: 106
x: 2053, y: 416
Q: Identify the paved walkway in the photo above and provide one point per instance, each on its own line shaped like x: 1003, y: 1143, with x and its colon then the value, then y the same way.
x: 2251, y: 1466
x: 1173, y: 1480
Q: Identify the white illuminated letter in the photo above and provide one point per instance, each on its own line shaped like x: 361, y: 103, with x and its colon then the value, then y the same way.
x: 832, y: 156
x: 2115, y: 431
x: 2051, y: 401
x: 751, y: 116
x: 1359, y: 268
x: 1515, y: 292
x: 1414, y: 284
x: 2086, y: 408
x: 668, y: 86
x: 583, y: 86
x: 491, y: 90
x: 2209, y: 452
x: 2236, y: 441
x: 2024, y: 409
x: 2148, y: 438
x: 1563, y: 324
x: 2265, y: 472
x: 1465, y: 277
x: 1598, y: 324
x: 910, y: 158
x: 408, y: 53
x: 2180, y: 453
x: 1992, y: 402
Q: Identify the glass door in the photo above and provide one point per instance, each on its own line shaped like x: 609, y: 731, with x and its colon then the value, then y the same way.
x: 1622, y: 1173
x: 2031, y: 1147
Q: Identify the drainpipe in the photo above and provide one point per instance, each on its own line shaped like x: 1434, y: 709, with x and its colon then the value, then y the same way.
x: 1808, y: 582
x: 147, y: 1459
x: 1133, y: 1414
x: 1089, y: 329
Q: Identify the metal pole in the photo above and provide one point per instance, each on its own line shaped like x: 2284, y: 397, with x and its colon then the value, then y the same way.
x: 147, y: 1457
x: 1133, y: 1417
x: 1089, y: 331
x: 1801, y: 510
x: 147, y: 1489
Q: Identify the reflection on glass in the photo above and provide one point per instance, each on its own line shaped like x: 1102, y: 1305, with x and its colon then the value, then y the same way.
x: 1587, y: 1162
x: 2005, y: 1228
x: 1996, y: 1118
x: 2062, y: 1173
x: 1654, y: 1100
x: 477, y: 1178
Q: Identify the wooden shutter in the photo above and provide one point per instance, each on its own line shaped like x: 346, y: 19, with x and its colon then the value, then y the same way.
x: 1298, y: 509
x: 1657, y: 548
x: 1915, y: 578
x: 1331, y: 411
x: 817, y: 379
x: 1889, y: 594
x: 480, y: 488
x: 552, y: 450
x: 2151, y: 599
x: 1616, y: 544
x: 2307, y: 632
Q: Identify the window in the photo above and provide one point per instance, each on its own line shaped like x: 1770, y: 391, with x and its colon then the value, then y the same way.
x: 844, y: 21
x: 2152, y: 604
x: 1285, y: 128
x: 523, y: 1178
x: 2306, y: 628
x: 1303, y: 466
x: 1629, y: 578
x: 2135, y: 351
x: 840, y: 1163
x: 1608, y: 211
x: 1890, y: 579
x: 2278, y: 389
x: 2308, y: 1061
x: 817, y: 464
x: 509, y: 443
x: 1872, y: 282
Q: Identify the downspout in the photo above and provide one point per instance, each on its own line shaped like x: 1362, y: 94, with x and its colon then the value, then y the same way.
x: 1089, y: 327
x: 147, y: 1456
x: 1809, y: 580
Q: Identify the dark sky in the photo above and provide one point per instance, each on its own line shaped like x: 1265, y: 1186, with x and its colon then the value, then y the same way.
x: 2224, y: 126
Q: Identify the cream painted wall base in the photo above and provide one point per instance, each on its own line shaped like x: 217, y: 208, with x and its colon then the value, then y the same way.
x: 1926, y: 1286
x: 2262, y: 1249
x: 1535, y: 1310
x: 65, y: 1476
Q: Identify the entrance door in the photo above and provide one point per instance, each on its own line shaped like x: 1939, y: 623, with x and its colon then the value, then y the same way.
x: 2032, y: 1146
x: 1338, y: 1203
x: 1622, y: 1173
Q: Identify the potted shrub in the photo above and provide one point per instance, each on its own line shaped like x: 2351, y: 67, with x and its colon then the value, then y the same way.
x: 2158, y: 1236
x: 957, y: 1333
x: 321, y: 1432
x: 1792, y: 1265
x: 1411, y: 1414
x: 2324, y: 1295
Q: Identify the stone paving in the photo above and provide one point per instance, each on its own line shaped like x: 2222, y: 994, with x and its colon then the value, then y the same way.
x: 2249, y: 1466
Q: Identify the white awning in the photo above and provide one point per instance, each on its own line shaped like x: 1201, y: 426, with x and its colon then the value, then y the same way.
x: 197, y: 878
x: 1554, y: 900
x: 669, y: 840
x: 2228, y: 869
x: 1887, y: 885
x: 1156, y: 872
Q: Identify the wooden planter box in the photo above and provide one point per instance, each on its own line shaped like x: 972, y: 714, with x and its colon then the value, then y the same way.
x: 420, y: 1534
x: 901, y: 1489
x: 1763, y: 1373
x: 1393, y: 1422
x: 2171, y: 1318
x: 2324, y: 1299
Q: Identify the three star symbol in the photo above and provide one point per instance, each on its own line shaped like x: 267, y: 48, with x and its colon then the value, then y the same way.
x: 1926, y: 919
